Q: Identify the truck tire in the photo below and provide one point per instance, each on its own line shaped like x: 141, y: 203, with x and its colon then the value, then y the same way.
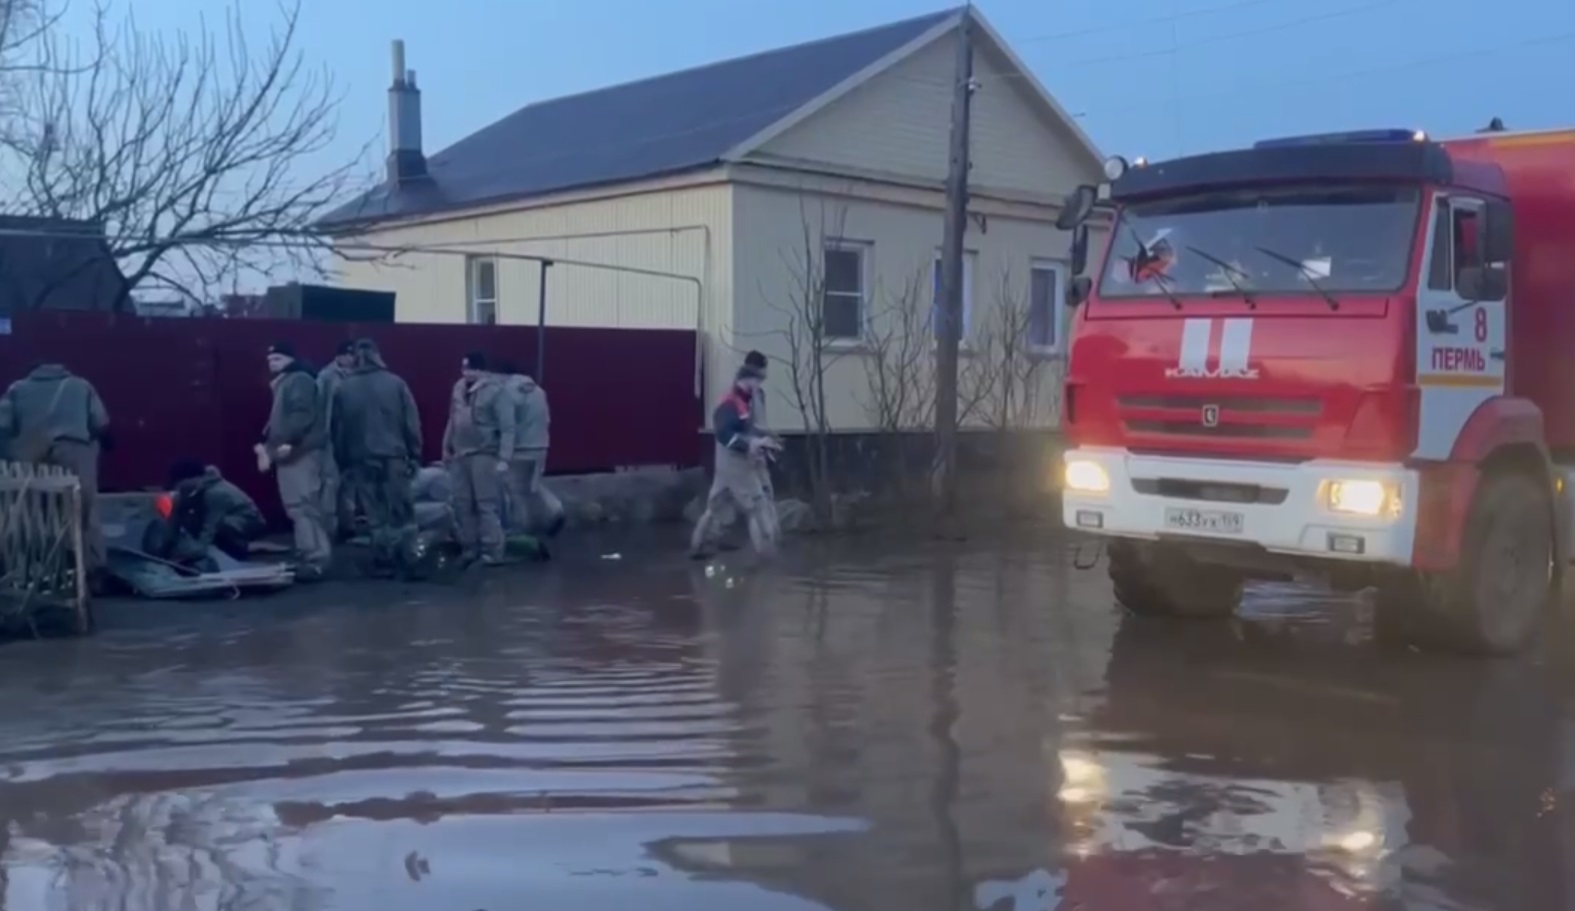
x: 1155, y: 581
x: 1492, y: 602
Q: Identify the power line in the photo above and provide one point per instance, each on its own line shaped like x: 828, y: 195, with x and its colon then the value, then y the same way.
x: 1129, y: 24
x: 782, y: 110
x: 1257, y: 87
x: 1232, y: 36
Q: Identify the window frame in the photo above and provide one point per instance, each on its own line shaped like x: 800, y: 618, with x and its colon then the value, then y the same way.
x: 969, y: 259
x: 1061, y: 268
x: 473, y: 299
x: 862, y: 249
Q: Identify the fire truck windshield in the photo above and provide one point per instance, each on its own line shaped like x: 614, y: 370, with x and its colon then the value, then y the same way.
x: 1303, y: 239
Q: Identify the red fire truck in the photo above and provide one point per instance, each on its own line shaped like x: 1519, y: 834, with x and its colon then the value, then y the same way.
x: 1350, y: 357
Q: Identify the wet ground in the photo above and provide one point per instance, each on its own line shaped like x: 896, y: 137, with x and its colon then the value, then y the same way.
x: 869, y: 725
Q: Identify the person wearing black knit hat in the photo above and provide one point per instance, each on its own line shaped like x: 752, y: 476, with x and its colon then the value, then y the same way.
x: 736, y: 474
x: 294, y: 445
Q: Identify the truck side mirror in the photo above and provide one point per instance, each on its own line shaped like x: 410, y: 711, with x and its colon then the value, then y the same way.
x: 1498, y: 240
x: 1077, y: 290
x: 1078, y: 205
x: 1079, y: 249
x: 1483, y: 283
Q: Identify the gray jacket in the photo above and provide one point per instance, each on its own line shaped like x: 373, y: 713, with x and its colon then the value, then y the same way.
x: 532, y: 416
x: 375, y: 416
x: 296, y: 419
x: 328, y: 380
x: 480, y: 419
x: 50, y: 404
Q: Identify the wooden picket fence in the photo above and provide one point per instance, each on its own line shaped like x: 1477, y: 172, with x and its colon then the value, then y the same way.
x: 42, y: 568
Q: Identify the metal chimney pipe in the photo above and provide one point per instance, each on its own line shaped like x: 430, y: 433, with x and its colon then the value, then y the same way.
x: 406, y: 162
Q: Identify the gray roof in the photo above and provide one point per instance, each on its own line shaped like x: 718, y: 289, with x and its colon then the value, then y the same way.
x: 664, y: 125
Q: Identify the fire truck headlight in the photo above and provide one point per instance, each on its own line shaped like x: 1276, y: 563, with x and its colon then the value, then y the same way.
x: 1115, y: 166
x: 1083, y: 476
x: 1364, y: 498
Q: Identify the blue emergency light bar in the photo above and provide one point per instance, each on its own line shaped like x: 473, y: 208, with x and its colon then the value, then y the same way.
x: 1354, y: 136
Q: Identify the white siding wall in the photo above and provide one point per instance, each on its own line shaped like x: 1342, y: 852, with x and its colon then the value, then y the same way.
x: 902, y: 241
x: 898, y: 124
x: 685, y: 231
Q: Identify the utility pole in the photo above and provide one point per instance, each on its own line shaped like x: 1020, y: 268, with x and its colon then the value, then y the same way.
x: 950, y: 318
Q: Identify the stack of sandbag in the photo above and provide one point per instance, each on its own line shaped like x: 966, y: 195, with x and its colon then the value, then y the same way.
x: 433, y: 490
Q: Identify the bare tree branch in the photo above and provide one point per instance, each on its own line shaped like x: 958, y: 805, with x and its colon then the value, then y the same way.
x: 201, y: 156
x: 1006, y: 345
x: 899, y: 369
x: 804, y: 338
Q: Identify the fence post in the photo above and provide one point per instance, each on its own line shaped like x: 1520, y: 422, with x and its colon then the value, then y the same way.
x: 541, y: 324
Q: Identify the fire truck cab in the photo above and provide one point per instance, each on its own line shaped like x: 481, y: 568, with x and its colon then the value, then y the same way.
x: 1348, y: 356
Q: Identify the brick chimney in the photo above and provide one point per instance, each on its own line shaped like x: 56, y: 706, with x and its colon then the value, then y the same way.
x: 406, y: 163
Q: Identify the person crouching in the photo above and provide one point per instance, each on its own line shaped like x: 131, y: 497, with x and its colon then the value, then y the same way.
x: 735, y: 481
x: 210, y: 511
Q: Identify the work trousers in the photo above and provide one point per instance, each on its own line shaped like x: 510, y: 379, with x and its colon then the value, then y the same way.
x: 478, y: 503
x: 380, y: 490
x: 736, y: 485
x: 81, y: 459
x: 301, y: 493
x: 532, y: 507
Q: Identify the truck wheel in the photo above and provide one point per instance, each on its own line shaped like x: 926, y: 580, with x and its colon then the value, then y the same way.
x: 1493, y: 600
x: 1152, y: 580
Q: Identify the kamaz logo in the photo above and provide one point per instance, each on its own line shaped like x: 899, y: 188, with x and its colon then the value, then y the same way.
x: 1211, y: 373
x: 1197, y: 342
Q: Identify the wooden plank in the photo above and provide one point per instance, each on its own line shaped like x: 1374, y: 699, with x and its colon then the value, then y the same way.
x: 42, y: 545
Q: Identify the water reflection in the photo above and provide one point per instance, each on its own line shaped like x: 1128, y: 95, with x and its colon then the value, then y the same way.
x: 875, y: 726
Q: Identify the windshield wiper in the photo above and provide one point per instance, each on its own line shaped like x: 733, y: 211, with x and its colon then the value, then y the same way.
x: 1230, y: 275
x: 1299, y: 266
x: 1158, y: 278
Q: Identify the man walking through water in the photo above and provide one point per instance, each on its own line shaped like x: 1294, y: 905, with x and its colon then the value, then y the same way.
x: 757, y: 361
x: 377, y: 442
x: 736, y: 477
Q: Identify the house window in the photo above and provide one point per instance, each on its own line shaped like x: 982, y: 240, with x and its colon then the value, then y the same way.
x: 842, y: 295
x: 1046, y: 295
x: 967, y: 295
x: 482, y: 291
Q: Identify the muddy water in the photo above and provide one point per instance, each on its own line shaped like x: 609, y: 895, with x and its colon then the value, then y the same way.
x: 880, y: 726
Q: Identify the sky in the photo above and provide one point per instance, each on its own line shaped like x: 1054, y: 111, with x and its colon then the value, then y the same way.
x: 1144, y: 77
x: 1156, y: 78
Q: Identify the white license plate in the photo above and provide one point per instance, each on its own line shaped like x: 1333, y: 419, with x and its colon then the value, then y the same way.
x: 1211, y: 521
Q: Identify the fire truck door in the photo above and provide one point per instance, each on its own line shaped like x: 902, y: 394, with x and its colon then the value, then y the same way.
x: 1460, y: 341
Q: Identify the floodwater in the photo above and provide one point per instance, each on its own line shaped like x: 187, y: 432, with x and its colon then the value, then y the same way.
x: 870, y: 726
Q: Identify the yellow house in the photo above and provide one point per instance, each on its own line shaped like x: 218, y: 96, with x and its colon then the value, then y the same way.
x: 788, y: 202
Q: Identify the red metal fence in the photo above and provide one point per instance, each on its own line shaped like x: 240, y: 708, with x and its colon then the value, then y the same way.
x: 199, y: 387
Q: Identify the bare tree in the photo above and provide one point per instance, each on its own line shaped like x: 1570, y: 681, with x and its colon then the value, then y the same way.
x: 899, y: 369
x: 1018, y: 371
x: 1016, y: 367
x: 200, y: 156
x: 806, y: 341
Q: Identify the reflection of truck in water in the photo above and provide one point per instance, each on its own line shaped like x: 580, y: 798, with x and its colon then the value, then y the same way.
x: 1343, y: 356
x: 1275, y: 765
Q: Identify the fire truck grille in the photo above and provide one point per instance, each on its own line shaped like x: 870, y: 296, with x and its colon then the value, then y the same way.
x: 1220, y: 417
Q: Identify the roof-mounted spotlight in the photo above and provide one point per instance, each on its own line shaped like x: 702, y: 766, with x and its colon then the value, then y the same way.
x: 1115, y: 166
